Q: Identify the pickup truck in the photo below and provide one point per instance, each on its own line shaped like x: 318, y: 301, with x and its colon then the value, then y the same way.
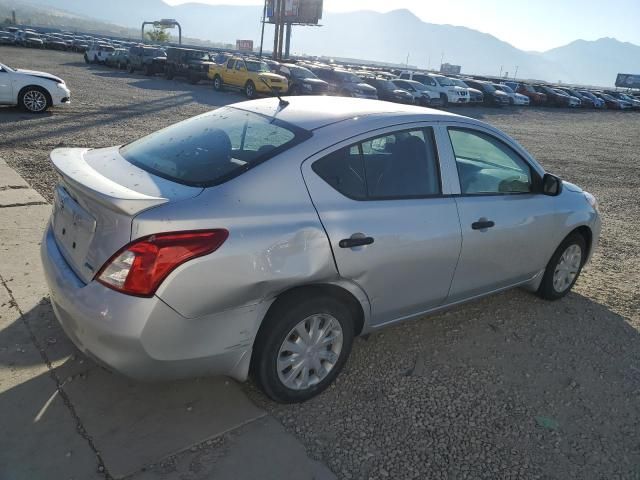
x: 251, y: 76
x: 187, y: 62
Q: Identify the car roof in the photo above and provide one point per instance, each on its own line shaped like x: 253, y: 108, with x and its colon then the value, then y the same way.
x: 313, y: 112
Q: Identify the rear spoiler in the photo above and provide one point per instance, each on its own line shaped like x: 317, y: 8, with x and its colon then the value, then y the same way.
x: 79, y: 175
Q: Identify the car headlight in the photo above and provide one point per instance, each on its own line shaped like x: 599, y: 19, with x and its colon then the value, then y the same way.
x: 591, y: 200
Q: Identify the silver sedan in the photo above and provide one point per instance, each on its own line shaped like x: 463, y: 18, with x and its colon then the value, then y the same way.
x: 263, y: 236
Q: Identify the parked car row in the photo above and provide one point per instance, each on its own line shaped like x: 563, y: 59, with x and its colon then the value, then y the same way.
x: 258, y: 76
x: 28, y: 37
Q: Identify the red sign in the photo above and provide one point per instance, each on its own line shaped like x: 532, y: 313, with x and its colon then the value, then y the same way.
x: 244, y: 45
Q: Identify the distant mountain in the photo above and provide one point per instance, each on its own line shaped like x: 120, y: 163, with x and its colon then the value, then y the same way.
x: 386, y: 37
x: 596, y: 62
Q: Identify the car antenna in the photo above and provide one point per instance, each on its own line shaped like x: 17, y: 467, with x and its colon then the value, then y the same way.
x: 283, y: 103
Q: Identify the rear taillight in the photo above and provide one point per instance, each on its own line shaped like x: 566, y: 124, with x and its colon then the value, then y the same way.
x: 140, y: 267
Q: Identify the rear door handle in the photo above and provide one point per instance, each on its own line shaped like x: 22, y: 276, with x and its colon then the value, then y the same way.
x: 482, y: 224
x: 355, y: 242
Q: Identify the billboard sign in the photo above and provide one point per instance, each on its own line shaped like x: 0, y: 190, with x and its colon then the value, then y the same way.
x: 628, y: 80
x: 448, y: 69
x: 296, y: 11
x: 244, y: 45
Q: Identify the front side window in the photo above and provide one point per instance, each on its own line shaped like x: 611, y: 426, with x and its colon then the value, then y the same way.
x: 397, y: 165
x: 211, y: 148
x: 487, y: 165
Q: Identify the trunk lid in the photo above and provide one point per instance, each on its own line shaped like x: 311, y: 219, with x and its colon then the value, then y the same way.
x: 98, y: 195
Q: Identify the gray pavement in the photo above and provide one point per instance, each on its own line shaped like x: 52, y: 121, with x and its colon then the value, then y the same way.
x: 64, y: 417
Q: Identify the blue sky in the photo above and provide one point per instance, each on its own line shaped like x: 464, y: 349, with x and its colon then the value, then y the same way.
x: 538, y: 25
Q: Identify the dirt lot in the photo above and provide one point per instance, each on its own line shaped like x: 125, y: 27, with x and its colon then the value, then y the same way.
x: 507, y: 387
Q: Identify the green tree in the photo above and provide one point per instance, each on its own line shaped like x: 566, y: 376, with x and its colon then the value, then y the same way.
x: 158, y: 34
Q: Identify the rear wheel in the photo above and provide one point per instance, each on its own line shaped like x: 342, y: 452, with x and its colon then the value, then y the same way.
x: 34, y: 99
x: 302, y: 346
x: 250, y: 90
x: 193, y: 79
x: 86, y: 59
x: 132, y: 69
x: 168, y: 74
x: 445, y: 99
x: 147, y: 70
x: 564, y: 268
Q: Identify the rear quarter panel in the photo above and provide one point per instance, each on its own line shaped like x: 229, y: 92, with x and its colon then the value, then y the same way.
x: 276, y: 240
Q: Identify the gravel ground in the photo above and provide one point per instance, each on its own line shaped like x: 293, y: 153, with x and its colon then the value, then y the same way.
x: 506, y: 387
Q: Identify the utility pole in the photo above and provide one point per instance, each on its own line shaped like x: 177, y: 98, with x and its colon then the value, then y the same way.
x: 441, y: 59
x: 264, y: 19
x: 515, y: 74
x: 407, y: 62
x: 501, y: 67
x: 276, y: 24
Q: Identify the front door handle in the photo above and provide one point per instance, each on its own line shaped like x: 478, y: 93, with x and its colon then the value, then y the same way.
x: 482, y: 224
x: 354, y: 241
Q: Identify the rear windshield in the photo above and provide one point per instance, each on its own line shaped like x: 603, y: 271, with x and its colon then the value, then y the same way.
x: 214, y: 147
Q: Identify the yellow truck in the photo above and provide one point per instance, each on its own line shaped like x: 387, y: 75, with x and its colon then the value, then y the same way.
x: 251, y: 76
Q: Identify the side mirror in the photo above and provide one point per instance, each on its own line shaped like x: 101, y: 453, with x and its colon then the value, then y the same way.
x: 551, y: 185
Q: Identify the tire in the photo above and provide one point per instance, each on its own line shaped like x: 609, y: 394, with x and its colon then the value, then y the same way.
x: 512, y: 102
x: 168, y: 74
x: 295, y: 90
x: 95, y: 60
x: 119, y: 65
x: 193, y: 80
x: 132, y: 69
x: 147, y: 70
x: 555, y: 284
x: 250, y: 90
x: 346, y: 93
x: 302, y: 309
x: 34, y: 99
x: 445, y: 99
x: 217, y: 83
x: 86, y: 59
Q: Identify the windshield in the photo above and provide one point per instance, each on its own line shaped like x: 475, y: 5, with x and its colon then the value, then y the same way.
x: 199, y: 56
x: 506, y: 88
x: 444, y: 81
x: 348, y: 77
x: 459, y: 83
x: 254, y: 66
x: 32, y: 35
x: 211, y: 148
x: 6, y: 67
x: 299, y: 72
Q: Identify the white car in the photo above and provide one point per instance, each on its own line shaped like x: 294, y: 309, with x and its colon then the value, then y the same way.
x: 98, y: 53
x: 31, y: 90
x: 423, y: 95
x: 514, y: 97
x: 448, y: 92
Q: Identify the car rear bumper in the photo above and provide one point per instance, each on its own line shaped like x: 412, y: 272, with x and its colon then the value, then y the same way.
x: 144, y: 338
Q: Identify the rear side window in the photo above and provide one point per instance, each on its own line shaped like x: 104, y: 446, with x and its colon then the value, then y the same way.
x: 393, y: 166
x: 214, y: 147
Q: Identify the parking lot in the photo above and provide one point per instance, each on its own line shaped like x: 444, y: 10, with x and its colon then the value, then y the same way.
x: 506, y: 387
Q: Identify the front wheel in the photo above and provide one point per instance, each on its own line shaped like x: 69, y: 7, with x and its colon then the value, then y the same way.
x: 564, y: 268
x: 147, y: 70
x: 250, y: 90
x: 445, y: 99
x: 34, y: 100
x: 217, y: 83
x: 302, y: 346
